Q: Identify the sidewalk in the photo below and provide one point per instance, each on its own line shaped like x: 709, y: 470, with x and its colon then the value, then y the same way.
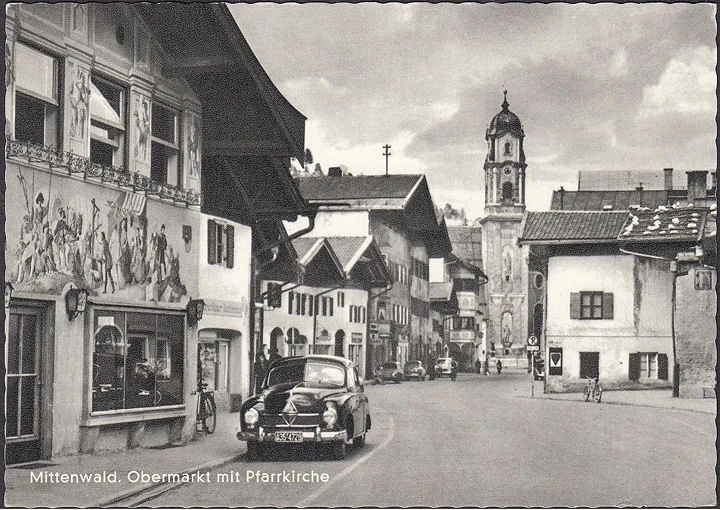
x: 202, y: 454
x: 644, y: 398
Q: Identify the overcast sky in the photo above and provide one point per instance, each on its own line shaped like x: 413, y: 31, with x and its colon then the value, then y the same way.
x: 601, y: 87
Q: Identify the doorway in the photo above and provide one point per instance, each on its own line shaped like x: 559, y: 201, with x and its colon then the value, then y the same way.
x: 24, y: 410
x: 340, y: 343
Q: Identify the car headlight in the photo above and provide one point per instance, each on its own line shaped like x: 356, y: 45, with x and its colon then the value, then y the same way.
x: 251, y: 417
x: 330, y: 415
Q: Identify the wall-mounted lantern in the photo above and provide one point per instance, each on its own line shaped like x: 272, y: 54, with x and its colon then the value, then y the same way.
x: 195, y: 308
x: 8, y: 293
x: 75, y: 302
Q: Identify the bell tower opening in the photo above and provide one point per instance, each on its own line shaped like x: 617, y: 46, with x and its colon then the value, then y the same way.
x: 507, y: 191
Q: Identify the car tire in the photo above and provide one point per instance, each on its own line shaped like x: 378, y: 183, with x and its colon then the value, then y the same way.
x: 422, y: 377
x: 359, y: 441
x: 339, y: 450
x: 254, y: 450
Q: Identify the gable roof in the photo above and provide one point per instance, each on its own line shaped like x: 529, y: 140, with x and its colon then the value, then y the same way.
x: 308, y: 249
x: 665, y: 224
x: 366, y: 191
x: 572, y: 227
x: 617, y: 200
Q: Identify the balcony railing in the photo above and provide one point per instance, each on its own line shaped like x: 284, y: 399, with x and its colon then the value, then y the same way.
x: 120, y: 177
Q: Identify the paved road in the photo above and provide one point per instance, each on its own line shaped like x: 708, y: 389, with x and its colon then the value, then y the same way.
x: 473, y: 442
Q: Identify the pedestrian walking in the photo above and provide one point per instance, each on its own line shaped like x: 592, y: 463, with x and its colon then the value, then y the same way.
x: 478, y: 365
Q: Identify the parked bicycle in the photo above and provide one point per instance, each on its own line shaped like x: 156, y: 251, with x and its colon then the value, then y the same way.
x: 206, y: 410
x: 593, y: 389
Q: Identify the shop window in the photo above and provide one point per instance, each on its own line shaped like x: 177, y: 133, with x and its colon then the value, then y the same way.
x: 221, y: 244
x: 107, y: 123
x: 36, y: 96
x: 165, y: 148
x: 138, y: 360
x: 591, y: 305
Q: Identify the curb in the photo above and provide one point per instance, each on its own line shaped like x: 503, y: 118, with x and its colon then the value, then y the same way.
x: 136, y: 491
x: 615, y: 402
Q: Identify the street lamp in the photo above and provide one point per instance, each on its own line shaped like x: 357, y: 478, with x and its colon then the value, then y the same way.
x: 75, y: 302
x: 195, y: 309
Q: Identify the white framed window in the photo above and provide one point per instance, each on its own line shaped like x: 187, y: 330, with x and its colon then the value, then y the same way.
x: 36, y: 96
x: 165, y: 147
x: 107, y: 122
x: 648, y: 365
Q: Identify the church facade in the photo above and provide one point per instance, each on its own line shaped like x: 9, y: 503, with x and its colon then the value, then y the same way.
x: 505, y: 263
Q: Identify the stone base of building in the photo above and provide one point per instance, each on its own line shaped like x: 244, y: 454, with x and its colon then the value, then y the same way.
x: 559, y: 384
x: 124, y: 436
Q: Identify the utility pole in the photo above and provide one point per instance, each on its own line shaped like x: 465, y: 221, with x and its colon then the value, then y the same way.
x: 387, y: 155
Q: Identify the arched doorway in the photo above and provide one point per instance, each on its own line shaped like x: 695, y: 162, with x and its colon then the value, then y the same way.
x: 275, y: 335
x: 340, y: 343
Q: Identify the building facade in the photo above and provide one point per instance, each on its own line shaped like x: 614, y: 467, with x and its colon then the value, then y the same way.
x: 111, y: 137
x: 397, y: 210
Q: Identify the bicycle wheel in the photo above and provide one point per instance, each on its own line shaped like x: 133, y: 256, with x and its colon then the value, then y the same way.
x: 200, y: 415
x: 597, y: 394
x: 210, y: 414
x: 586, y: 393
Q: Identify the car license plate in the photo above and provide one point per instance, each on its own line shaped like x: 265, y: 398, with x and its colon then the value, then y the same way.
x: 288, y: 437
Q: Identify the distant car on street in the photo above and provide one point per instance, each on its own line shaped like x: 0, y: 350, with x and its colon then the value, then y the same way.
x: 445, y: 367
x: 414, y: 370
x: 389, y: 371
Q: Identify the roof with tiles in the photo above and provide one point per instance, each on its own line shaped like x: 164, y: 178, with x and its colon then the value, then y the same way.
x: 567, y: 227
x: 346, y: 247
x: 618, y: 200
x: 667, y: 224
x: 376, y: 190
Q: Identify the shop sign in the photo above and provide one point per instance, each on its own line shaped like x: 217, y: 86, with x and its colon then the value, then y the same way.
x: 356, y: 338
x: 555, y: 355
x: 375, y: 339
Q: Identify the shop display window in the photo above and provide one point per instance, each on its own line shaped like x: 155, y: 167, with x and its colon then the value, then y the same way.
x: 138, y: 360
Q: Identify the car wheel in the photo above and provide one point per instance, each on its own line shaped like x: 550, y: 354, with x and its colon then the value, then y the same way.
x: 339, y: 450
x: 422, y: 377
x: 359, y: 441
x: 253, y: 450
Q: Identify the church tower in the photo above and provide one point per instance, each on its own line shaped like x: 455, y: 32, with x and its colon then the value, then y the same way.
x: 505, y: 262
x: 505, y: 163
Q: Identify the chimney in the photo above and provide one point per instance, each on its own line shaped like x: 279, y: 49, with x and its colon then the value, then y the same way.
x: 668, y: 179
x: 562, y: 197
x: 696, y: 184
x: 335, y: 171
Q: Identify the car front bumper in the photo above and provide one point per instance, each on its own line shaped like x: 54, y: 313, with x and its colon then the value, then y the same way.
x: 317, y: 435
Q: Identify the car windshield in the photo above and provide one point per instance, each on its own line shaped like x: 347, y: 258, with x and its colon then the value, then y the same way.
x: 443, y: 361
x: 388, y: 365
x: 309, y: 372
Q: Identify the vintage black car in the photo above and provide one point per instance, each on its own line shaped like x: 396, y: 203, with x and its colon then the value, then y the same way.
x: 308, y: 399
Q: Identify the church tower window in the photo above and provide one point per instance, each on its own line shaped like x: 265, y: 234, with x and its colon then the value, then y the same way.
x: 508, y: 147
x: 507, y: 191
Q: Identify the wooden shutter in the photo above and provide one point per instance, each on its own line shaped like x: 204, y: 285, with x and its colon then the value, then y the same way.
x: 230, y: 236
x: 662, y: 366
x: 634, y: 366
x: 212, y: 242
x: 607, y: 305
x: 574, y: 305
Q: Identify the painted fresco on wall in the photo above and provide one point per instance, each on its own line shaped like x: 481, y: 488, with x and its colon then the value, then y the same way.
x: 107, y: 246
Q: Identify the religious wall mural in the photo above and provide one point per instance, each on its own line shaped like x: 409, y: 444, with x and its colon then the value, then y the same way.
x: 105, y: 245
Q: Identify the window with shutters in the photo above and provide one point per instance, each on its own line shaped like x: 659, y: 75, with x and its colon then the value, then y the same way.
x: 274, y: 295
x: 593, y: 305
x: 36, y: 96
x: 341, y: 299
x: 291, y: 295
x: 648, y: 365
x: 330, y: 300
x: 221, y: 244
